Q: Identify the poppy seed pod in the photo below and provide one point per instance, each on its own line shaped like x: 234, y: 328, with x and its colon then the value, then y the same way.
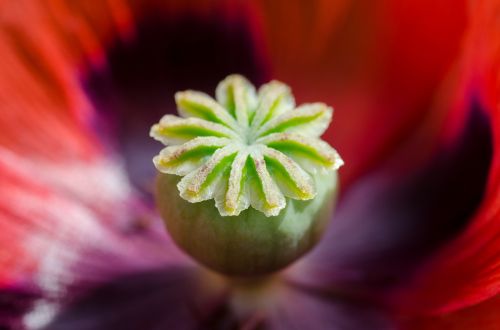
x: 274, y: 182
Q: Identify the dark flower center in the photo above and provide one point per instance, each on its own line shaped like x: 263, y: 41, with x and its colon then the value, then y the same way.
x: 167, y: 55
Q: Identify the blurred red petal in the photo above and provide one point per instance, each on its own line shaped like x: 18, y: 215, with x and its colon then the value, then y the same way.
x: 467, y: 271
x: 482, y: 316
x: 44, y: 46
x: 66, y: 208
x: 71, y: 224
x: 44, y: 118
x: 379, y: 64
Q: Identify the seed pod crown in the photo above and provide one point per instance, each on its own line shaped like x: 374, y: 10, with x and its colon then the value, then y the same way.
x: 246, y: 148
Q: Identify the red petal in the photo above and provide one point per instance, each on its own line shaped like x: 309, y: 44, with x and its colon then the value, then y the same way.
x: 467, y: 271
x: 62, y: 199
x: 379, y: 65
x: 482, y: 316
x: 43, y: 46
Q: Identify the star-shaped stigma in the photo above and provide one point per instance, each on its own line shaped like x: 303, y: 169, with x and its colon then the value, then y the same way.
x: 245, y: 148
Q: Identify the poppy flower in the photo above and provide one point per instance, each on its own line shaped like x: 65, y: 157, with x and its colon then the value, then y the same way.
x: 413, y: 243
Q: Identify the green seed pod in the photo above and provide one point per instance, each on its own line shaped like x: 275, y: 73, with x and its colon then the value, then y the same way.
x: 250, y: 243
x: 273, y: 181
